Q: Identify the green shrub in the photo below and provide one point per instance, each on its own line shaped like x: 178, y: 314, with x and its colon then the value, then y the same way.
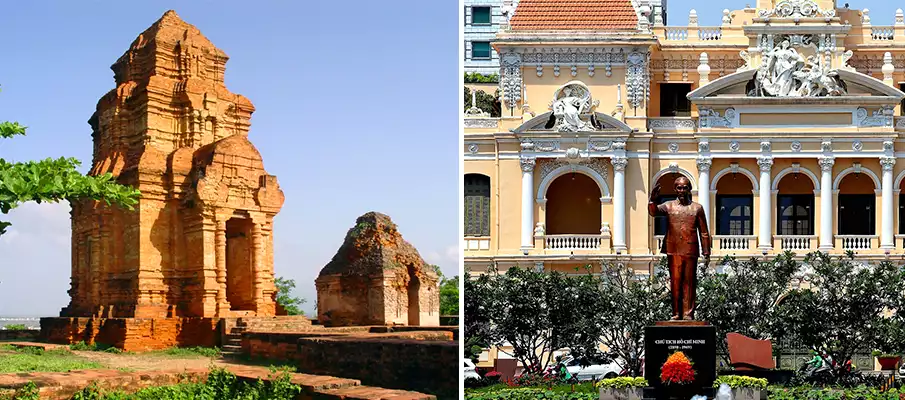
x: 27, y: 392
x: 16, y: 327
x: 622, y: 382
x: 738, y: 381
x: 475, y: 77
x: 529, y: 394
x: 809, y: 392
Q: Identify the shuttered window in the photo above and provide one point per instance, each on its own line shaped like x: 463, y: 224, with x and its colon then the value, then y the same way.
x: 477, y: 205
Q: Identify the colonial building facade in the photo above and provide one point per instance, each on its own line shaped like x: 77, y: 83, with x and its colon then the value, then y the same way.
x: 786, y: 118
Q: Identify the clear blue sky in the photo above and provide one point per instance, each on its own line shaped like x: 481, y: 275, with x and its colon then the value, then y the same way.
x: 882, y: 12
x: 357, y: 110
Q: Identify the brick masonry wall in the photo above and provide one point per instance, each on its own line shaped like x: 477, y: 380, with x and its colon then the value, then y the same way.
x: 424, y: 366
x: 283, y: 346
x: 132, y: 334
x: 24, y: 334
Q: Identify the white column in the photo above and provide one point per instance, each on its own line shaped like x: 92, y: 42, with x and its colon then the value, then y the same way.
x: 826, y: 203
x: 765, y: 226
x: 704, y: 164
x: 887, y: 238
x: 619, y: 164
x: 527, y: 203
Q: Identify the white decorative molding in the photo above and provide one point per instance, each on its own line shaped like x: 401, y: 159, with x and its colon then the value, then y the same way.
x: 795, y: 146
x: 673, y: 147
x: 882, y: 117
x: 597, y: 145
x: 857, y: 146
x: 765, y: 163
x: 527, y: 163
x: 765, y: 146
x: 734, y: 169
x: 511, y: 78
x: 826, y: 163
x: 703, y: 146
x: 797, y: 9
x: 734, y: 146
x: 704, y: 163
x: 856, y: 168
x: 826, y: 146
x: 888, y: 163
x: 473, y: 148
x: 708, y: 118
x: 671, y: 123
x: 539, y: 145
x: 482, y: 122
x: 581, y: 57
x: 619, y: 163
x: 888, y: 146
x: 794, y: 169
x: 636, y: 79
x: 573, y: 155
x: 674, y: 168
x: 595, y: 168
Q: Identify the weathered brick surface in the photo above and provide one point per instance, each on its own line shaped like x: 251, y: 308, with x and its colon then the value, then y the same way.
x: 132, y: 334
x: 454, y: 330
x: 283, y: 345
x: 377, y: 278
x: 200, y: 241
x: 424, y: 366
x: 24, y: 334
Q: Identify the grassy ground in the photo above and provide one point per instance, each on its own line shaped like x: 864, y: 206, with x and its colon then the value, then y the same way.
x: 584, y: 387
x: 28, y: 360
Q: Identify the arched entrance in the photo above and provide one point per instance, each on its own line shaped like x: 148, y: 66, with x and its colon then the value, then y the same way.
x: 734, y: 205
x: 856, y: 212
x: 239, y: 259
x: 573, y: 206
x: 795, y: 211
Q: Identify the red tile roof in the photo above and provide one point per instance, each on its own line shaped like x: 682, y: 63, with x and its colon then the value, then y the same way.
x: 574, y: 15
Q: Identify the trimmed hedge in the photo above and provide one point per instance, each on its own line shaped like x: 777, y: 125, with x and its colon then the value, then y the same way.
x: 737, y: 381
x: 622, y: 382
x: 529, y: 394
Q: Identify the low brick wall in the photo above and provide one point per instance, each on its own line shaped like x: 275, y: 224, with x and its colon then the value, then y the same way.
x: 385, y: 329
x: 283, y: 346
x: 131, y: 334
x: 425, y: 366
x: 21, y: 334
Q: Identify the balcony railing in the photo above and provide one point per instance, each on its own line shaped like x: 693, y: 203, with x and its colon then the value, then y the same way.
x: 735, y: 242
x: 572, y: 242
x: 676, y: 33
x: 882, y: 33
x: 858, y: 242
x: 795, y: 242
x: 708, y: 34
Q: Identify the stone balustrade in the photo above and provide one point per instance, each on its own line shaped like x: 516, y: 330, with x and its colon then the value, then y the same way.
x: 882, y: 33
x: 795, y: 242
x: 572, y: 242
x: 858, y: 242
x: 729, y: 243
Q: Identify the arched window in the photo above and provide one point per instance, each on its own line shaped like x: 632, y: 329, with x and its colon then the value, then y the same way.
x: 477, y: 205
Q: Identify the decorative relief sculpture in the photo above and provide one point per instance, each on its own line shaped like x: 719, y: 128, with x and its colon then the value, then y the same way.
x: 511, y: 78
x: 796, y: 146
x: 786, y: 73
x: 883, y: 117
x: 570, y: 102
x: 708, y: 118
x: 797, y: 9
x: 636, y: 81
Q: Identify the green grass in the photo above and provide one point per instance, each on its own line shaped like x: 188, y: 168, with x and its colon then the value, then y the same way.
x: 209, y: 352
x: 37, y: 360
x: 583, y: 387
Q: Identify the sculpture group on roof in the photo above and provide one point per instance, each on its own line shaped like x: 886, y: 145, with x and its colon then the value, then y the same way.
x: 786, y: 73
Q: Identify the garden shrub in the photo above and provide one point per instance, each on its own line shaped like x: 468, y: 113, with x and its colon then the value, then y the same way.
x: 738, y: 381
x: 622, y: 382
x: 529, y: 394
x: 16, y: 327
x: 818, y: 393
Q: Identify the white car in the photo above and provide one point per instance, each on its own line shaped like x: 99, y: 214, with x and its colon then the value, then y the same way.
x: 471, y: 372
x: 591, y: 372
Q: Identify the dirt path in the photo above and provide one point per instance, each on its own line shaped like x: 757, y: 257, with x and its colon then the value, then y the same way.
x: 150, y: 361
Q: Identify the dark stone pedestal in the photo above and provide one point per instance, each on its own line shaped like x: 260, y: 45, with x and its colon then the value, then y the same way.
x: 697, y: 339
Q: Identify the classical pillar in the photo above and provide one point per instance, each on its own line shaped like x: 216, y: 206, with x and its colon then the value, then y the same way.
x: 527, y: 164
x: 826, y: 203
x: 887, y: 238
x: 704, y: 164
x: 257, y: 242
x: 619, y: 164
x: 765, y: 237
x: 220, y: 246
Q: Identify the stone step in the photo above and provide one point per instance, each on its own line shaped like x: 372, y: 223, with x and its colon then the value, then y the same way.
x: 230, y: 349
x: 372, y: 393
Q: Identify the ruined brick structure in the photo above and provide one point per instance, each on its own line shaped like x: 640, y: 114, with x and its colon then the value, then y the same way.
x: 199, y: 244
x: 377, y: 278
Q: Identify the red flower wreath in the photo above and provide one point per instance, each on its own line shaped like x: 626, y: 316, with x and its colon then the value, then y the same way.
x: 677, y: 370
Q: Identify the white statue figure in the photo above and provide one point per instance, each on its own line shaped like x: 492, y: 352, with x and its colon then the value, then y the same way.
x: 780, y: 64
x: 569, y: 102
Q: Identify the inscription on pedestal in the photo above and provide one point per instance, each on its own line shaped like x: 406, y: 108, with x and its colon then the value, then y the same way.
x: 698, y: 342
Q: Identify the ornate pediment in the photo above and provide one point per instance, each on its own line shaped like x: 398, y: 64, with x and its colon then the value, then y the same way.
x: 545, y: 123
x: 797, y: 9
x: 573, y: 109
x: 787, y: 70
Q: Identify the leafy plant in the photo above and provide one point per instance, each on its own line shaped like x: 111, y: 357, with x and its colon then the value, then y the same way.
x: 27, y: 392
x: 486, y: 102
x: 284, y: 296
x: 54, y: 180
x: 738, y: 381
x: 474, y: 77
x: 529, y: 394
x: 449, y: 296
x: 622, y: 382
x: 15, y: 327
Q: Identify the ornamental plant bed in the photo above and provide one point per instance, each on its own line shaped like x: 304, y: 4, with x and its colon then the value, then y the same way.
x: 744, y: 387
x: 622, y: 388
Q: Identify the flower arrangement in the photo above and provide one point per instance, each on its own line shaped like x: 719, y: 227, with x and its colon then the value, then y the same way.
x: 677, y: 370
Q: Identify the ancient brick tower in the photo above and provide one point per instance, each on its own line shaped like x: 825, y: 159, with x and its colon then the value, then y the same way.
x: 199, y: 243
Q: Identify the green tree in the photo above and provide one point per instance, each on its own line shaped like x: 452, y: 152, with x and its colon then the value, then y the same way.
x: 54, y: 180
x: 629, y: 302
x: 284, y: 296
x: 843, y: 307
x: 486, y: 102
x: 449, y: 296
x: 741, y: 297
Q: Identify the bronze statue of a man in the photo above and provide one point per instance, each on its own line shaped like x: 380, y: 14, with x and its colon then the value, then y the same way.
x: 685, y: 219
